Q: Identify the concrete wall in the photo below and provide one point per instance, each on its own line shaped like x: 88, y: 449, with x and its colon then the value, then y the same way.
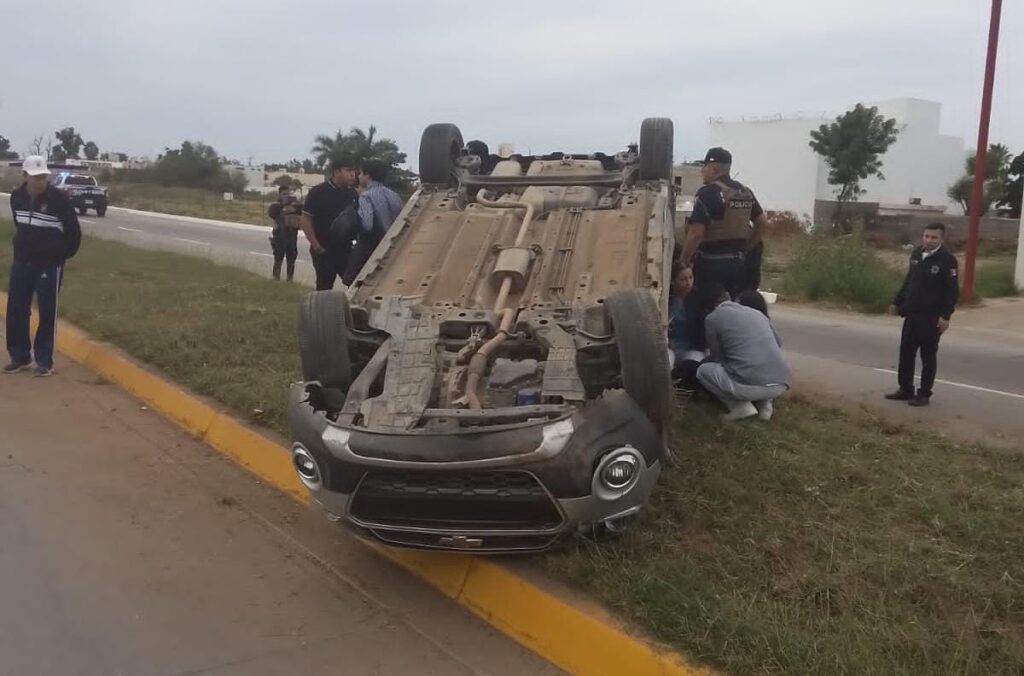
x: 906, y: 228
x: 773, y: 157
x: 922, y: 163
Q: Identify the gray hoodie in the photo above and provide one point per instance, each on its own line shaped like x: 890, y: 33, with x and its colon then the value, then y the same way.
x: 745, y: 343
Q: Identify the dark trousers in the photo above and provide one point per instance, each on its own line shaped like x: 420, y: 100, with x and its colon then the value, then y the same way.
x: 329, y: 266
x: 43, y: 281
x: 730, y: 272
x: 919, y: 334
x: 284, y: 242
x: 361, y: 253
x: 752, y: 268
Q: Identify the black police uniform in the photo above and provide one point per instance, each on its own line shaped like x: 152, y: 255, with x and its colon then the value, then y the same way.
x: 333, y: 211
x: 725, y: 207
x: 930, y: 291
x: 726, y: 204
x: 284, y: 238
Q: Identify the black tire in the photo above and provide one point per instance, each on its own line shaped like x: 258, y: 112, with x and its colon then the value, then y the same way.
x: 656, y: 140
x: 82, y: 211
x: 440, y: 145
x: 101, y: 211
x: 643, y: 351
x: 323, y: 339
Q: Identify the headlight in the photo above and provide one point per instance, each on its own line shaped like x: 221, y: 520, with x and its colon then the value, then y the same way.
x: 617, y: 473
x: 306, y: 467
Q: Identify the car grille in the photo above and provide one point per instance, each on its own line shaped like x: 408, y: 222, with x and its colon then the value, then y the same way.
x: 498, y: 500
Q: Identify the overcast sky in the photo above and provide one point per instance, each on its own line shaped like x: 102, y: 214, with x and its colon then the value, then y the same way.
x: 260, y: 78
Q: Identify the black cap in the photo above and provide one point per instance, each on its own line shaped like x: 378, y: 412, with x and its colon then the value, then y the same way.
x: 719, y: 155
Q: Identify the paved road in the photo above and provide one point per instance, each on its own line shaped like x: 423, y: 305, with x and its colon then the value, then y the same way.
x: 981, y: 371
x: 837, y: 353
x: 126, y: 547
x: 232, y: 243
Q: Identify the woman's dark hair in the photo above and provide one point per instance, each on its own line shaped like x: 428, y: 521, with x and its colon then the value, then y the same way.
x: 753, y: 299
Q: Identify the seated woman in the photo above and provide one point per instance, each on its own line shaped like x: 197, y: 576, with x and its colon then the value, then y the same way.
x: 684, y: 359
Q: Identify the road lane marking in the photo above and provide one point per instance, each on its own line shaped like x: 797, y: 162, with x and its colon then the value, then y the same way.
x: 85, y: 220
x: 121, y: 227
x: 260, y: 253
x: 191, y: 241
x: 969, y: 387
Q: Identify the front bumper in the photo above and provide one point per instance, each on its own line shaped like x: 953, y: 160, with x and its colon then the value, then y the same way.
x: 88, y: 200
x: 517, y: 489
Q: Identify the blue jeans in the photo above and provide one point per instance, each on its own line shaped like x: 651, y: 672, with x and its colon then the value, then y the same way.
x: 43, y: 281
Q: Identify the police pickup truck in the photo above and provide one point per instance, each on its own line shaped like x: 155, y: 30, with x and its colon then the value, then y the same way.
x: 83, y: 191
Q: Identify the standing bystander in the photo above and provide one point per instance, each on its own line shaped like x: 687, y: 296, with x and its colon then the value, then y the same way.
x: 326, y: 217
x: 46, y: 235
x: 379, y: 206
x: 926, y: 302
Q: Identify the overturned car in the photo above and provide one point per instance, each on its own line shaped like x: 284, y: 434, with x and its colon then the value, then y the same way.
x: 497, y: 376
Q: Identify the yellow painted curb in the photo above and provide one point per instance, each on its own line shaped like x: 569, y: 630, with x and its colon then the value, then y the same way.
x: 568, y: 637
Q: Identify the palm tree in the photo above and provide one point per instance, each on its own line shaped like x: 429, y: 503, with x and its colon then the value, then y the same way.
x: 358, y: 145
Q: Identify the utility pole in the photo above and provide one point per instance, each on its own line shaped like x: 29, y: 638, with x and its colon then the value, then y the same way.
x: 979, y: 159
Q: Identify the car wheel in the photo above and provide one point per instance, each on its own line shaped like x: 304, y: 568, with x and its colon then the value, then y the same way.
x: 82, y: 211
x: 323, y: 339
x: 440, y: 146
x: 656, y: 140
x: 101, y: 211
x: 643, y: 351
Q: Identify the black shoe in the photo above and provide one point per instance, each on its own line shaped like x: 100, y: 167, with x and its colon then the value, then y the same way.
x: 919, y: 400
x: 900, y: 395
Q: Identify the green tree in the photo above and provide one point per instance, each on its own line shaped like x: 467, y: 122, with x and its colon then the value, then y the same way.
x: 91, y: 150
x: 288, y: 182
x: 996, y: 180
x: 1013, y: 189
x: 358, y: 145
x: 193, y: 165
x: 5, y: 150
x: 69, y: 141
x: 852, y: 147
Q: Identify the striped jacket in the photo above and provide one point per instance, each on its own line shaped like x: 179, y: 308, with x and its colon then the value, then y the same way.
x: 46, y: 228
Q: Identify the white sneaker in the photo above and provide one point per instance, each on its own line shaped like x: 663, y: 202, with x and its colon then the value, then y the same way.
x: 765, y: 409
x: 744, y: 410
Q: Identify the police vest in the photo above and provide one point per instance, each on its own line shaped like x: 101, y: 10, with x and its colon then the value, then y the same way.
x: 735, y: 222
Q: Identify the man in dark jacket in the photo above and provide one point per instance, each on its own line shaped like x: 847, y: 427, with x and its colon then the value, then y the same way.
x: 46, y: 235
x: 926, y: 301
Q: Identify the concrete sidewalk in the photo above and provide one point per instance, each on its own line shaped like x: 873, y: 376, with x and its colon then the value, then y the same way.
x: 130, y: 548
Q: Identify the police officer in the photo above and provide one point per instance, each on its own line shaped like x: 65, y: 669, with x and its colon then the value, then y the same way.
x: 926, y: 301
x: 719, y: 235
x: 330, y: 222
x: 285, y: 213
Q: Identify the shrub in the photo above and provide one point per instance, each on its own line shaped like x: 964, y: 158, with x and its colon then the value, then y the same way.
x: 842, y: 270
x: 995, y: 280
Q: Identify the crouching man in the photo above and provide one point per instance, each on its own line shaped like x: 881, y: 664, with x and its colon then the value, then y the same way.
x: 746, y: 369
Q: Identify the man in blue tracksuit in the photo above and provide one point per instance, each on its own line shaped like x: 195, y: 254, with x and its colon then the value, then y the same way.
x: 47, y: 233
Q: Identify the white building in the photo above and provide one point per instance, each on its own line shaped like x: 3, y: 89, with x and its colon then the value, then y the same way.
x: 255, y: 176
x: 773, y: 157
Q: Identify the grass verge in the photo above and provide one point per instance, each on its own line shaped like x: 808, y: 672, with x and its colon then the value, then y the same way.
x: 995, y: 279
x: 843, y: 270
x: 220, y: 331
x: 245, y: 208
x: 824, y: 543
x: 827, y: 542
